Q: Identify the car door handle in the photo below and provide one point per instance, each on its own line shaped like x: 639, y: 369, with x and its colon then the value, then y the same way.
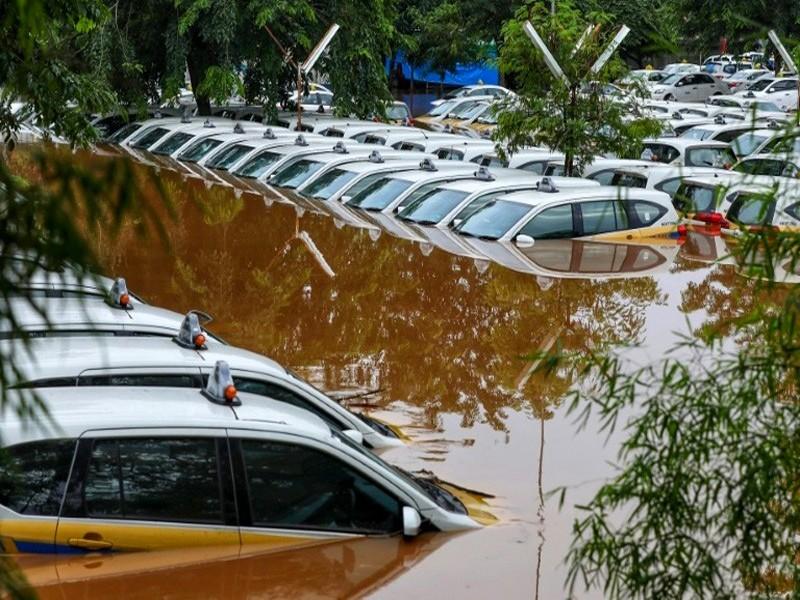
x: 89, y: 543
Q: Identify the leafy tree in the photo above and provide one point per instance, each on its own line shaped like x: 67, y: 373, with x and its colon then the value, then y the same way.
x: 574, y: 116
x: 705, y: 500
x: 226, y: 49
x: 50, y: 217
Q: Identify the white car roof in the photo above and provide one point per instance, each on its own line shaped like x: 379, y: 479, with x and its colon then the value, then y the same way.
x: 73, y: 411
x: 446, y: 168
x: 603, y: 192
x: 70, y: 356
x: 364, y: 165
x: 71, y: 313
x: 685, y: 144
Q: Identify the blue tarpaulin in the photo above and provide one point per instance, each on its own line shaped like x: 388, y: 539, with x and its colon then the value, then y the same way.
x: 463, y: 75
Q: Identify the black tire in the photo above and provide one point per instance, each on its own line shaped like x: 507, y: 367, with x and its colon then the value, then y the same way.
x: 669, y: 98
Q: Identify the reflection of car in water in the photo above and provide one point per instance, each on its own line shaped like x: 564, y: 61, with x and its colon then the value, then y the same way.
x: 351, y: 568
x: 579, y: 259
x: 705, y: 246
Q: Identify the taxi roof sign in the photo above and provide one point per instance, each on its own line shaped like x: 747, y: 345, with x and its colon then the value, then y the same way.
x: 190, y: 335
x: 220, y: 388
x: 119, y: 296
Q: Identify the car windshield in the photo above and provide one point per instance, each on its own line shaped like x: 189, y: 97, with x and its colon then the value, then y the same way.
x: 379, y: 194
x: 397, y: 112
x: 125, y: 132
x: 443, y: 108
x: 494, y: 220
x: 199, y: 149
x: 295, y: 173
x: 697, y: 133
x: 328, y: 184
x: 432, y: 207
x: 790, y: 144
x: 462, y: 111
x: 172, y: 143
x: 761, y: 84
x: 149, y: 137
x: 765, y: 106
x: 710, y: 157
x: 224, y: 159
x: 475, y: 111
x: 747, y: 143
x: 257, y: 166
x: 671, y: 79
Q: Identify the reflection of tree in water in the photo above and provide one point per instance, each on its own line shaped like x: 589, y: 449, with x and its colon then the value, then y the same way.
x: 431, y: 331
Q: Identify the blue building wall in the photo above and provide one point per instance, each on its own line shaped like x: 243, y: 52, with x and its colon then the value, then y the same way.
x: 463, y: 75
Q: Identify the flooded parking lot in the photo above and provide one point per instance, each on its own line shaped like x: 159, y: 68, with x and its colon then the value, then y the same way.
x: 436, y: 343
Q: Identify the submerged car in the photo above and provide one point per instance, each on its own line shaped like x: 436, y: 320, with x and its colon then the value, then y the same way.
x: 183, y: 361
x: 603, y: 213
x: 173, y: 468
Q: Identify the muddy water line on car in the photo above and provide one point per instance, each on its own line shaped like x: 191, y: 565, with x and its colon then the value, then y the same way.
x: 432, y: 343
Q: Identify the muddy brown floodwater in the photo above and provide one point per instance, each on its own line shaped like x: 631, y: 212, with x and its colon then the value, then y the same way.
x: 439, y: 342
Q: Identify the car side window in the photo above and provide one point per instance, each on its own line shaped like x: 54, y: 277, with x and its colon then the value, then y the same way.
x: 149, y: 479
x: 552, y: 223
x: 34, y: 475
x: 536, y: 167
x: 292, y: 486
x: 646, y: 213
x: 603, y: 177
x: 282, y: 394
x: 602, y: 216
x: 669, y: 186
x: 703, y: 79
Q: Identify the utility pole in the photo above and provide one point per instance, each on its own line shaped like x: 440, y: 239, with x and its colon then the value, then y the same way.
x: 787, y: 60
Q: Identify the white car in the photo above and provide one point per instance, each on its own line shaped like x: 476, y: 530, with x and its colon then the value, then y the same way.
x: 666, y: 178
x: 153, y: 361
x: 753, y: 141
x: 773, y: 165
x: 688, y: 153
x: 471, y: 91
x: 534, y: 160
x: 688, y: 87
x: 175, y: 469
x: 741, y: 79
x: 598, y: 213
x: 449, y: 203
x: 682, y: 67
x: 782, y: 92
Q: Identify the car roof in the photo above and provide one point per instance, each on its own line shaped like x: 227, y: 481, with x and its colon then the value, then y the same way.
x: 445, y: 168
x: 75, y: 410
x: 66, y: 313
x: 364, y: 165
x: 603, y: 192
x: 58, y: 357
x: 685, y: 143
x: 785, y: 156
x: 475, y: 184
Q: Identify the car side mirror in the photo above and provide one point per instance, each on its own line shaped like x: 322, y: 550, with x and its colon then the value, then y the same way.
x: 457, y: 222
x: 355, y: 436
x: 412, y: 521
x: 346, y: 199
x: 524, y: 241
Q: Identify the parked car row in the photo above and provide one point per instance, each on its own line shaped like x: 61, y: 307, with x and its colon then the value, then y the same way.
x: 159, y: 434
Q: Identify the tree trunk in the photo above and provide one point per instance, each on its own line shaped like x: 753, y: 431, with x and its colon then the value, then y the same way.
x: 198, y: 59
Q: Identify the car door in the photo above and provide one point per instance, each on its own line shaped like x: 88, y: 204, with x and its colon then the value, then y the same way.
x: 294, y: 492
x: 685, y: 90
x: 149, y: 489
x: 32, y: 483
x: 704, y: 86
x: 784, y: 94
